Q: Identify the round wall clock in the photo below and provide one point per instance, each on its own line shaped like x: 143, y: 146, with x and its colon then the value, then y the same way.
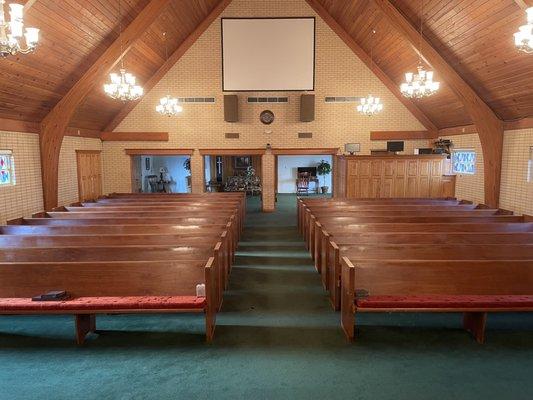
x: 266, y: 117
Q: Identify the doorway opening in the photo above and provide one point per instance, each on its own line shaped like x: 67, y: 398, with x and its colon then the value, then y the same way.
x: 161, y: 173
x: 304, y: 174
x: 233, y: 173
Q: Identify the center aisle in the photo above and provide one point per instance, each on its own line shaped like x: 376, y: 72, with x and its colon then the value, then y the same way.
x: 275, y: 294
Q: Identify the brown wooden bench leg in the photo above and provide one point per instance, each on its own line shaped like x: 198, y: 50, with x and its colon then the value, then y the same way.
x: 85, y: 323
x: 475, y: 322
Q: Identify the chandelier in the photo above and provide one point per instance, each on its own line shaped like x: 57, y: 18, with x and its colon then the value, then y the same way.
x: 122, y: 87
x: 417, y: 86
x: 168, y: 106
x: 523, y: 39
x: 11, y: 31
x: 370, y: 105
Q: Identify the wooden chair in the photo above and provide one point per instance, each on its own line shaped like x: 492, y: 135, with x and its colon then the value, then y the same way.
x: 302, y: 184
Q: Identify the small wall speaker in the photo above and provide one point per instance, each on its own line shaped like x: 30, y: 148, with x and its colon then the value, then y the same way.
x: 307, y: 107
x: 231, y: 108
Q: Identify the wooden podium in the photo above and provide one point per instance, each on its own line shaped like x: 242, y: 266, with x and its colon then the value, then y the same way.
x: 386, y: 176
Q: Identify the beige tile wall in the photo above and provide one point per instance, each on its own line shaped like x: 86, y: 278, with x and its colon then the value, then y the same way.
x: 26, y: 197
x: 68, y: 173
x: 198, y: 74
x: 516, y: 192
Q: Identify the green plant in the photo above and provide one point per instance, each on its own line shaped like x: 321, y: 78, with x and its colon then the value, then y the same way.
x: 187, y: 164
x: 323, y: 169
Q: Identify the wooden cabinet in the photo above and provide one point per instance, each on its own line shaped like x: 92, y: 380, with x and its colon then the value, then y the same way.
x: 393, y: 176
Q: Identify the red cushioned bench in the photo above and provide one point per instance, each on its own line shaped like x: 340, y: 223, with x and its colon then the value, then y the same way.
x: 85, y: 309
x: 475, y: 308
x: 436, y: 286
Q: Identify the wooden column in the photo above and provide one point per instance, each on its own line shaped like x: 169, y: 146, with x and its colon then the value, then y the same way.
x: 197, y: 173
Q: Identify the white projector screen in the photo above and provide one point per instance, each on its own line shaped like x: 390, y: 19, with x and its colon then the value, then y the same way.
x: 268, y: 54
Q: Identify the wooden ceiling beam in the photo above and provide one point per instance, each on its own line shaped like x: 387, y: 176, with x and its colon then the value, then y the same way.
x: 172, y: 60
x: 54, y: 125
x: 365, y: 57
x: 489, y: 126
x: 29, y: 4
x: 523, y: 4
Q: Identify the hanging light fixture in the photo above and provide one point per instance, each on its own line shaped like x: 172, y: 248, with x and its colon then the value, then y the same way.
x: 11, y: 31
x: 123, y: 87
x: 421, y: 84
x: 370, y: 105
x: 523, y: 39
x: 168, y: 105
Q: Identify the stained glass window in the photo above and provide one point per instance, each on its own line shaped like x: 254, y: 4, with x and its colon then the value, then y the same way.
x: 464, y: 162
x: 7, y: 168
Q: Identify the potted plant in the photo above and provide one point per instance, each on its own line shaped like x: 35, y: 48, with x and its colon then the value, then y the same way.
x: 323, y: 169
x: 187, y: 166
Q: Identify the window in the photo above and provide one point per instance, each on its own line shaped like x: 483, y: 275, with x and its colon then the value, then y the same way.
x: 464, y: 162
x: 530, y: 165
x: 7, y: 168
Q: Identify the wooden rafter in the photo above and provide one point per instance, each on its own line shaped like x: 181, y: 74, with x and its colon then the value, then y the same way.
x: 489, y: 126
x: 365, y: 57
x: 29, y: 4
x: 173, y: 59
x: 523, y: 4
x: 54, y: 125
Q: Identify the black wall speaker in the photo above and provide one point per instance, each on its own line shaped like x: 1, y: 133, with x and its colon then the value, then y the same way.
x: 307, y: 107
x: 231, y: 108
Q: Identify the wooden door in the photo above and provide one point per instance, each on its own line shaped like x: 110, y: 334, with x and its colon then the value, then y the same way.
x: 89, y: 174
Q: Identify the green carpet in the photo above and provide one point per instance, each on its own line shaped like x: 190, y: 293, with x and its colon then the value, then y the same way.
x: 276, y: 338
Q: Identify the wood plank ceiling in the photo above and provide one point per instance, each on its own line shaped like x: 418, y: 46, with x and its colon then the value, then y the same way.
x: 474, y: 36
x: 74, y: 35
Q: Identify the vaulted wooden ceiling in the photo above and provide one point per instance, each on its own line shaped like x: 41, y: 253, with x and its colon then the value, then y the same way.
x: 473, y: 36
x: 74, y: 34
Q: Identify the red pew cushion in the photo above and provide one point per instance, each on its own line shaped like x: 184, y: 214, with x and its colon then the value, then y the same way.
x: 445, y: 301
x: 105, y: 303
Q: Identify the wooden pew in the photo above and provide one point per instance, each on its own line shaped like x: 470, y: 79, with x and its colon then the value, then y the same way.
x: 121, y: 253
x: 322, y: 235
x: 109, y: 288
x: 331, y: 274
x: 326, y: 221
x: 472, y: 287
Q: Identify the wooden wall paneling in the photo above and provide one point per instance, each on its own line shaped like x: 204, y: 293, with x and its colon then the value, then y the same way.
x: 134, y: 136
x: 159, y: 152
x: 490, y: 127
x: 402, y: 135
x: 54, y: 125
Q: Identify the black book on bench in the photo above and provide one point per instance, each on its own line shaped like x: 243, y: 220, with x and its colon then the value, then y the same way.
x: 54, y: 295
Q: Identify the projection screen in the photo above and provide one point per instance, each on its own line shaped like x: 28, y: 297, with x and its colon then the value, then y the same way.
x: 268, y: 54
